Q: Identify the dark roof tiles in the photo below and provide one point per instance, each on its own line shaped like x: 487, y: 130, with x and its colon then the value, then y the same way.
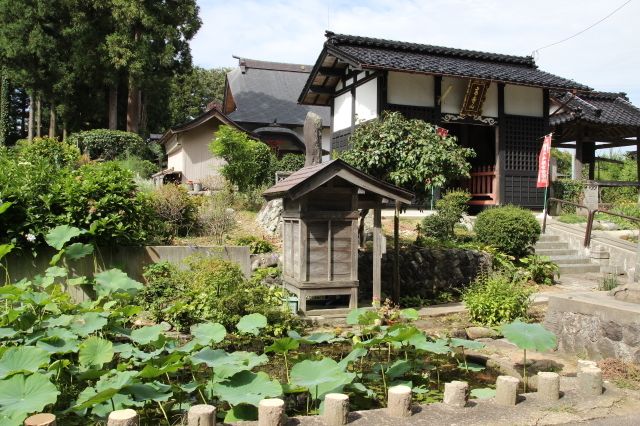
x: 597, y: 107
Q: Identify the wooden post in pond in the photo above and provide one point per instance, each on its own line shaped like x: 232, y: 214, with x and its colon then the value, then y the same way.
x: 396, y: 254
x: 312, y: 132
x: 377, y: 252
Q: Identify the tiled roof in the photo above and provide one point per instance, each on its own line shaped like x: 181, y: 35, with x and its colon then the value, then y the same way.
x: 394, y: 55
x: 598, y: 108
x: 267, y: 92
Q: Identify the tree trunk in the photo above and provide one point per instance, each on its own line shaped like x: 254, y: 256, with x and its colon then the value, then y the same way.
x: 38, y: 117
x: 64, y: 131
x: 31, y: 105
x: 133, y: 107
x: 52, y: 121
x: 113, y: 107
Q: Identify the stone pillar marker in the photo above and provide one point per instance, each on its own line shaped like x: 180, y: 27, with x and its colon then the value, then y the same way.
x: 312, y: 132
x: 271, y: 412
x: 42, y: 419
x: 202, y: 415
x: 548, y: 386
x: 456, y: 394
x: 126, y: 417
x: 590, y: 381
x: 336, y: 409
x: 399, y: 401
x: 506, y: 390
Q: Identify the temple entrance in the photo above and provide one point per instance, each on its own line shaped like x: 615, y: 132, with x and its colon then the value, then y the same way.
x: 483, y: 184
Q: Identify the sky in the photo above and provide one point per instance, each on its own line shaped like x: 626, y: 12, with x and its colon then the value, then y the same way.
x: 606, y: 57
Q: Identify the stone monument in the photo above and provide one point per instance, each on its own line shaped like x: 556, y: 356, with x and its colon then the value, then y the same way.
x: 312, y: 139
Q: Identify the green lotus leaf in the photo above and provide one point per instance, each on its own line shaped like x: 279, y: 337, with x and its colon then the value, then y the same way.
x: 320, y: 377
x: 58, y: 345
x: 352, y: 356
x: 246, y: 387
x: 208, y: 333
x: 401, y: 333
x: 242, y: 412
x: 116, y: 380
x: 59, y: 332
x: 5, y: 249
x: 398, y: 369
x: 22, y: 395
x: 252, y: 323
x: 90, y: 397
x: 17, y: 419
x: 162, y: 365
x: 59, y: 321
x: 7, y: 332
x: 78, y: 250
x: 145, y: 356
x: 467, y: 344
x: 87, y: 323
x: 483, y: 393
x: 124, y: 350
x: 95, y: 352
x: 283, y: 345
x: 318, y: 338
x: 61, y: 235
x: 409, y: 314
x: 420, y: 342
x: 470, y: 366
x: 362, y: 316
x: 227, y: 364
x: 4, y: 206
x: 115, y: 281
x: 56, y: 272
x: 153, y: 391
x: 22, y: 359
x: 189, y: 387
x: 529, y: 336
x: 147, y: 334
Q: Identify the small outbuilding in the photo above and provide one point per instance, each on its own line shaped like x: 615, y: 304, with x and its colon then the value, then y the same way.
x: 320, y: 228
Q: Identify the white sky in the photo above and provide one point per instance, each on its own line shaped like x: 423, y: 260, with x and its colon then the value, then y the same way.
x: 607, y: 57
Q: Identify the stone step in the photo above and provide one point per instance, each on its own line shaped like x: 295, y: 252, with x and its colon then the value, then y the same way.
x: 556, y: 252
x: 570, y: 260
x: 548, y: 238
x: 551, y: 245
x: 579, y: 268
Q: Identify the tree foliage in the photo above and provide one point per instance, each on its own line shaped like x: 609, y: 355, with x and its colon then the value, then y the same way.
x: 407, y: 152
x: 192, y: 91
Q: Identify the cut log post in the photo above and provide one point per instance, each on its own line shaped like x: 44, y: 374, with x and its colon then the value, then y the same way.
x: 590, y: 381
x: 399, y: 401
x: 506, y: 390
x: 126, y: 417
x: 456, y: 394
x: 271, y: 412
x: 42, y: 419
x: 336, y: 409
x: 548, y: 386
x: 202, y: 415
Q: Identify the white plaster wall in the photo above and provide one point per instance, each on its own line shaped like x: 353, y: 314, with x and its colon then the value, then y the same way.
x: 523, y: 100
x: 367, y: 101
x: 490, y: 106
x: 342, y: 112
x: 452, y: 93
x: 199, y: 162
x: 410, y: 89
x: 175, y: 160
x: 326, y: 139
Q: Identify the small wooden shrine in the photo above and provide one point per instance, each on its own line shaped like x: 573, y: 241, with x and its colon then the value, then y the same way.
x: 320, y: 228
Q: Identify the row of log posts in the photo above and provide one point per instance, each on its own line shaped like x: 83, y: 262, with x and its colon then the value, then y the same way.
x: 271, y: 411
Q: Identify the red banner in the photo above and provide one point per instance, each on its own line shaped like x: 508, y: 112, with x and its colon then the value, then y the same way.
x: 543, y: 163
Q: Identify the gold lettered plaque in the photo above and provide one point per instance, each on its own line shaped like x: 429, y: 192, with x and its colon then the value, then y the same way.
x: 474, y: 98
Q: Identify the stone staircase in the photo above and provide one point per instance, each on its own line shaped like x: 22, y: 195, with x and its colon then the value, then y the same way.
x: 569, y: 261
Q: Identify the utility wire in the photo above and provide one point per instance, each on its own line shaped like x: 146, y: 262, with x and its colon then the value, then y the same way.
x: 536, y: 51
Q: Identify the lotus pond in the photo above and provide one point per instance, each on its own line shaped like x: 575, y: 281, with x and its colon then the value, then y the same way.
x: 82, y: 361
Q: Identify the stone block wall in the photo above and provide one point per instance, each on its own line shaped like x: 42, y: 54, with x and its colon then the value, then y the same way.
x: 425, y: 271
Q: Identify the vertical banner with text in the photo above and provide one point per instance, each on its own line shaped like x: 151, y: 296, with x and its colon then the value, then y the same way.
x: 543, y: 163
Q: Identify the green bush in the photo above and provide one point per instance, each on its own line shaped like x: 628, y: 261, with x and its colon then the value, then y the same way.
x: 496, y: 299
x: 449, y: 211
x: 139, y: 167
x: 177, y: 211
x: 290, y: 163
x: 625, y: 208
x: 509, y: 229
x: 210, y: 290
x: 57, y: 153
x: 256, y: 245
x: 540, y: 269
x: 112, y: 144
x: 568, y: 190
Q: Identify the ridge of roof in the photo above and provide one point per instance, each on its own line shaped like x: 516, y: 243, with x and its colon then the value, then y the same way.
x: 338, y: 39
x: 248, y: 63
x: 609, y: 96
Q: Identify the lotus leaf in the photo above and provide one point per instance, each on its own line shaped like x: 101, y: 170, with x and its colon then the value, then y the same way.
x: 95, y: 352
x: 320, y: 377
x: 246, y: 387
x: 56, y: 272
x: 59, y: 332
x: 27, y: 359
x: 208, y: 333
x: 115, y: 281
x: 78, y: 250
x: 7, y: 332
x: 226, y: 365
x: 59, y: 321
x: 283, y: 345
x: 467, y: 344
x: 5, y: 249
x: 252, y: 323
x: 58, y: 345
x: 22, y: 395
x: 242, y: 412
x: 352, y: 356
x: 61, y: 235
x: 409, y: 314
x: 318, y: 338
x: 483, y: 393
x: 401, y: 333
x: 420, y: 342
x: 529, y: 336
x: 146, y: 335
x: 154, y: 391
x: 4, y: 206
x: 87, y: 323
x: 362, y: 316
x: 398, y: 369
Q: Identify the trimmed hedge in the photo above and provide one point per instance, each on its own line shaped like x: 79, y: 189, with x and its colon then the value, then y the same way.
x: 510, y: 229
x: 109, y: 144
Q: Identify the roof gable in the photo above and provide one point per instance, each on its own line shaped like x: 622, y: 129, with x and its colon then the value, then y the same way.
x: 211, y: 114
x: 596, y: 107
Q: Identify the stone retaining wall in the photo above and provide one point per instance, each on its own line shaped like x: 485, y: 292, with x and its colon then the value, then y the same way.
x: 424, y: 272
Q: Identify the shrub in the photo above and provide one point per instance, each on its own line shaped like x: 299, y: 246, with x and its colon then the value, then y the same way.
x: 449, y: 211
x: 626, y: 208
x: 210, y: 290
x: 568, y: 190
x: 256, y: 245
x: 139, y: 167
x: 290, y: 163
x: 540, y: 269
x: 496, y: 299
x: 176, y: 209
x: 111, y: 144
x: 509, y: 229
x: 215, y: 219
x: 57, y: 153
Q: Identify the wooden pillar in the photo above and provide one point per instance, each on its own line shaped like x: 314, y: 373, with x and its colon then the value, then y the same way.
x: 592, y: 169
x: 437, y: 92
x: 578, y: 158
x: 500, y: 148
x: 638, y: 154
x: 396, y: 254
x: 377, y: 252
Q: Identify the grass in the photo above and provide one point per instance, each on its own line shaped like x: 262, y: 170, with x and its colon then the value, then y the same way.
x: 572, y: 218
